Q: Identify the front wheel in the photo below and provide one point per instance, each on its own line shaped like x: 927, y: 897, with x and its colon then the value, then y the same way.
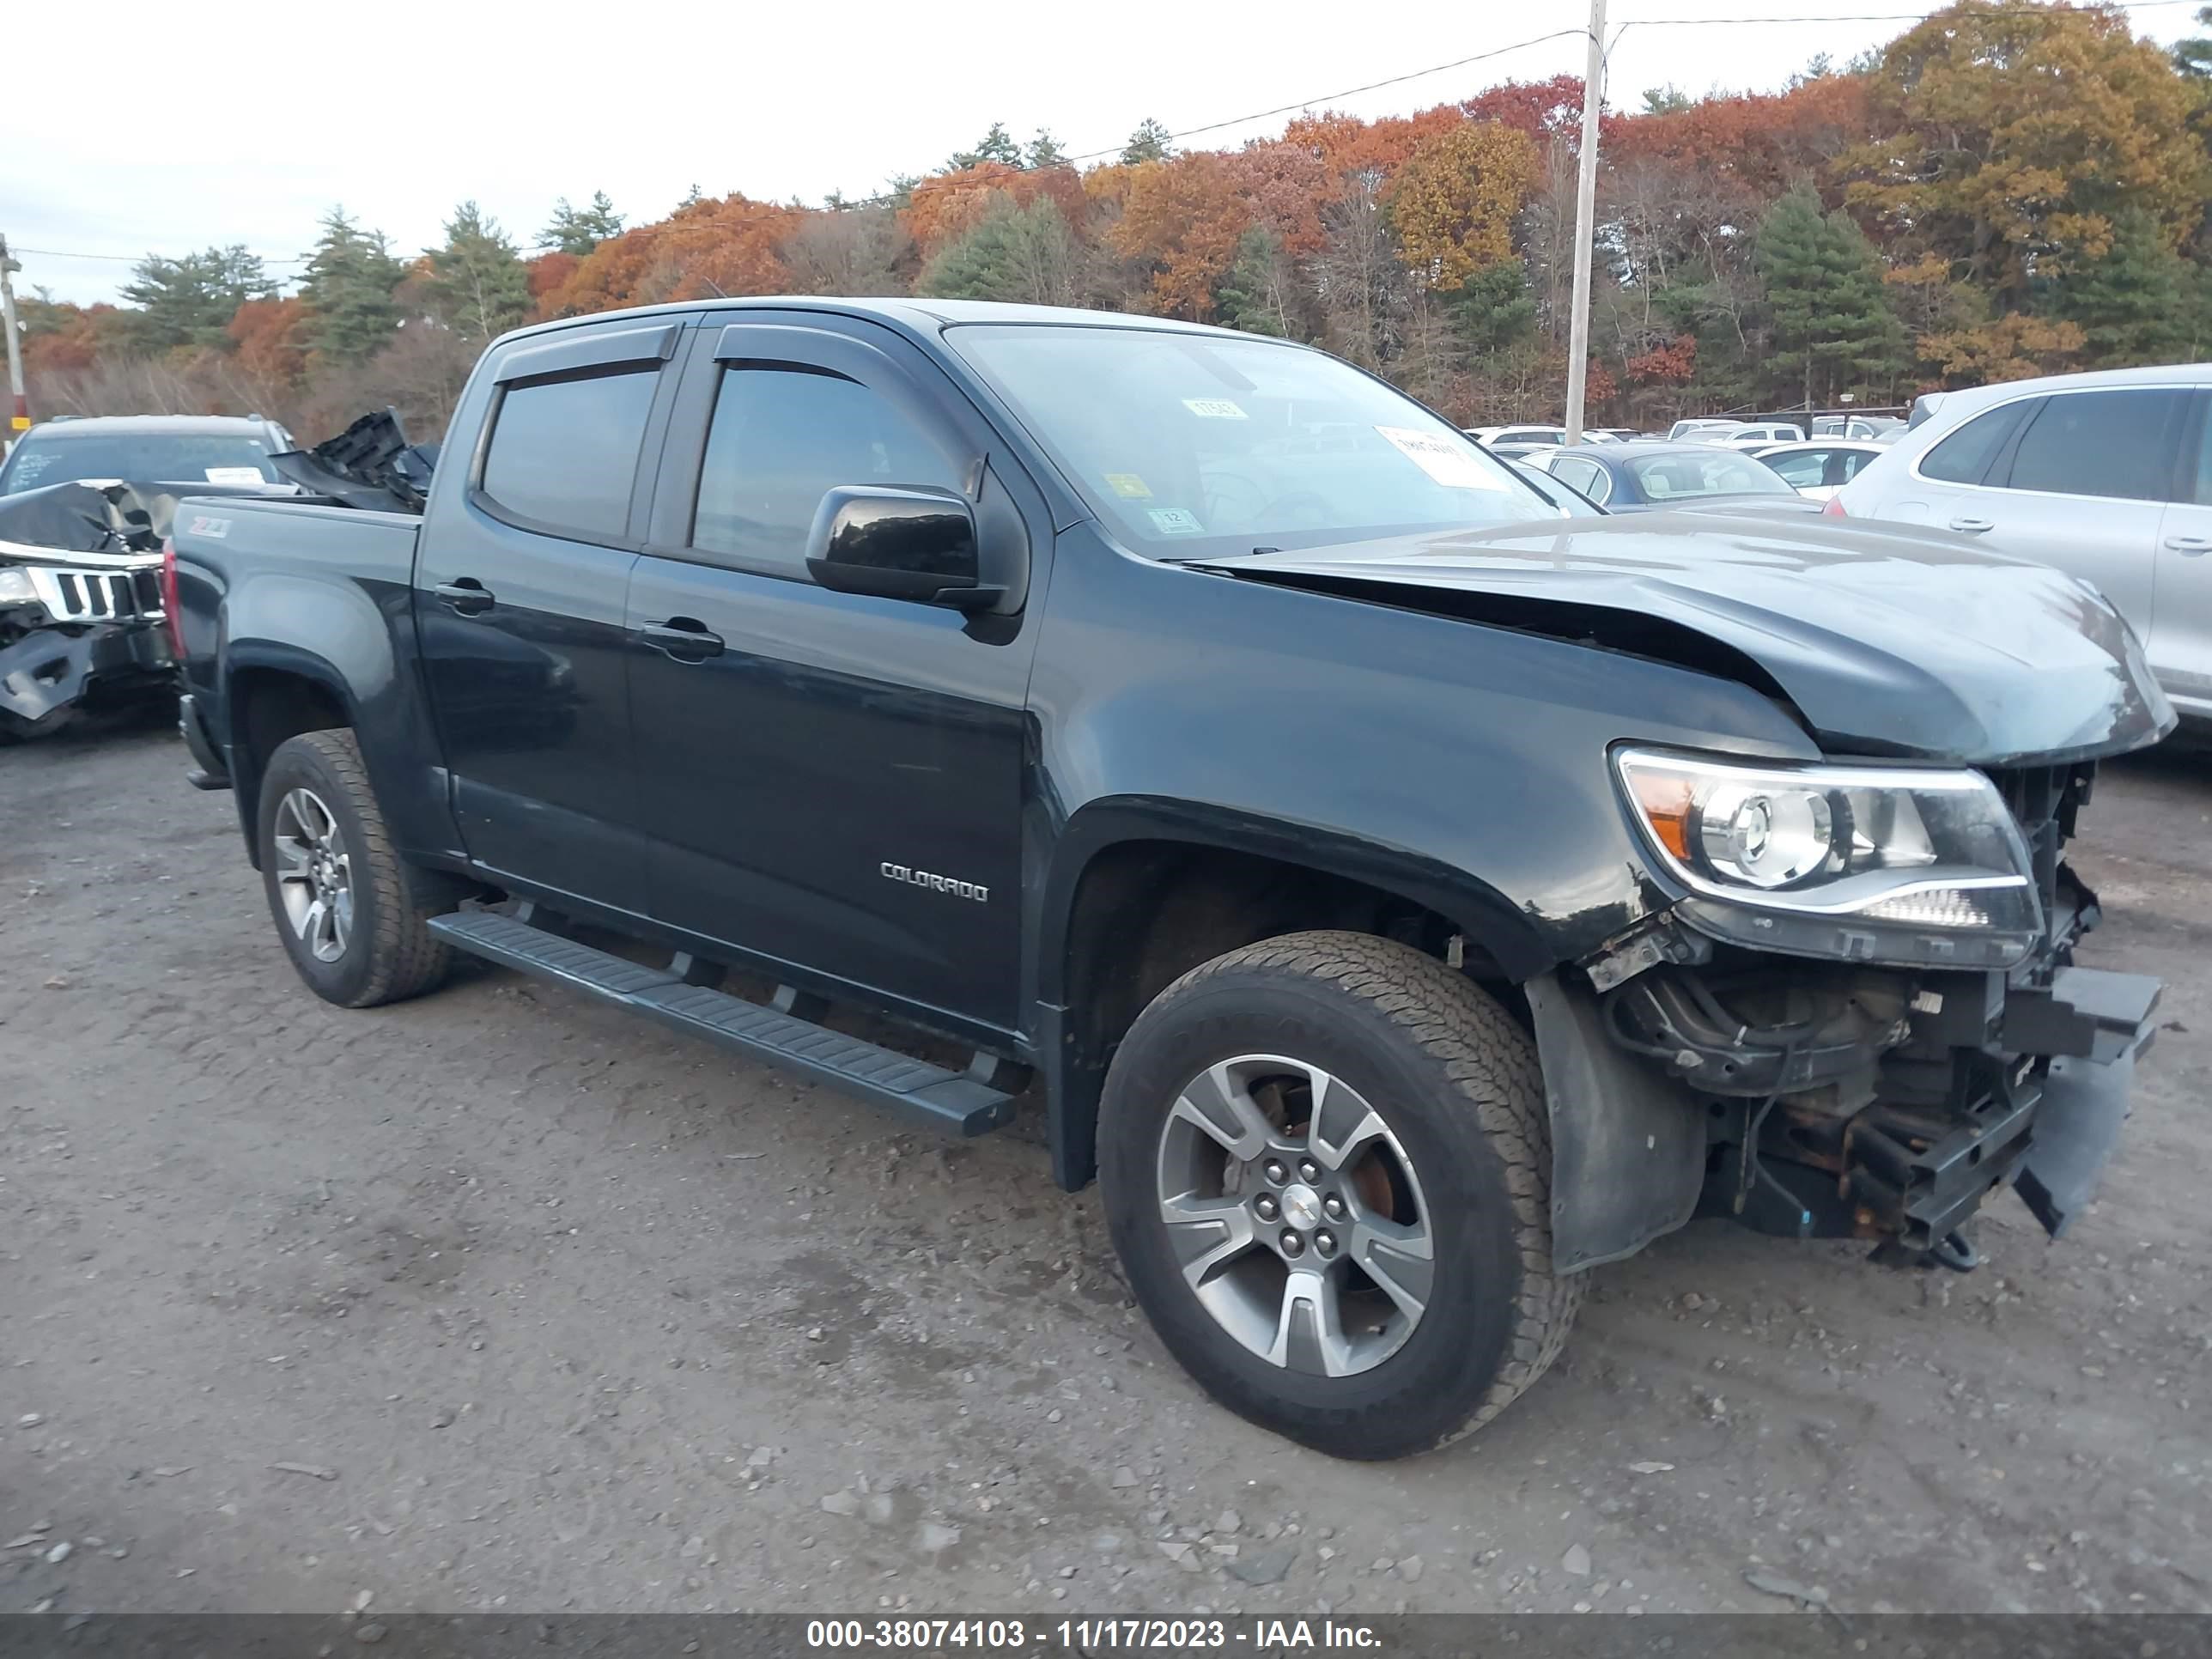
x: 1325, y: 1166
x: 346, y: 907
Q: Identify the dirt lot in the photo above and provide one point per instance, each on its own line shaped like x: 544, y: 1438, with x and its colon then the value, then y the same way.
x: 502, y: 1300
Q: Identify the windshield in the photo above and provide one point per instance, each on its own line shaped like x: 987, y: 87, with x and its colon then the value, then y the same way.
x: 1193, y: 446
x: 143, y: 458
x: 1723, y: 472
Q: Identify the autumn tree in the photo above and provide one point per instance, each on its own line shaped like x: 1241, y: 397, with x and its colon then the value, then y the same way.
x: 477, y: 285
x: 2013, y: 347
x: 1183, y: 218
x: 578, y: 230
x: 1831, y: 321
x: 349, y: 289
x: 2011, y: 133
x: 855, y: 250
x: 1453, y: 202
x: 947, y: 205
x: 707, y: 247
x: 190, y: 301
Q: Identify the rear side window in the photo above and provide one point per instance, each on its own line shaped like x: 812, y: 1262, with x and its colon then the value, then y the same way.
x: 2101, y: 443
x: 1964, y: 458
x: 563, y: 452
x: 1802, y: 468
x: 783, y: 438
x: 1587, y: 476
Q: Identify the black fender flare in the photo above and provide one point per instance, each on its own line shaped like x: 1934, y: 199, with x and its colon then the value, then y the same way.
x: 1073, y: 1076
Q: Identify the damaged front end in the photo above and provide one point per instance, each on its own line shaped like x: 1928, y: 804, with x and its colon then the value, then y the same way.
x: 81, y: 606
x: 1877, y: 1072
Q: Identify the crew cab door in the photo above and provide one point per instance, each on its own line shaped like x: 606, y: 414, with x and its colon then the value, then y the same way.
x: 519, y: 603
x: 833, y: 780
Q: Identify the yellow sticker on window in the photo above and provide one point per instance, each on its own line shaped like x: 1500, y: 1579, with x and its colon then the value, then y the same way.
x: 1128, y: 486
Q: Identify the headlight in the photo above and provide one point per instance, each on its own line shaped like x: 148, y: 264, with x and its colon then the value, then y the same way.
x: 15, y: 585
x: 1872, y: 864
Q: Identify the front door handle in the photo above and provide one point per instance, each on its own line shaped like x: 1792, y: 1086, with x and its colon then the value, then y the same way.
x: 1972, y: 526
x: 684, y: 638
x: 467, y: 596
x: 2191, y: 546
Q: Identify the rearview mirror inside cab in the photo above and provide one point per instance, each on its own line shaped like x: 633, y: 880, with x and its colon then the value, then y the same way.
x: 898, y: 544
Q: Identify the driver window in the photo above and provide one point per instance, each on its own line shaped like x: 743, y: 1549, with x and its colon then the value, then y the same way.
x: 781, y: 439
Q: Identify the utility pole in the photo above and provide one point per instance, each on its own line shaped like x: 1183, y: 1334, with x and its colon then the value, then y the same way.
x: 1585, y: 224
x: 19, y: 411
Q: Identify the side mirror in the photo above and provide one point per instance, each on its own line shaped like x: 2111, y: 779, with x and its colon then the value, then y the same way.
x: 899, y: 544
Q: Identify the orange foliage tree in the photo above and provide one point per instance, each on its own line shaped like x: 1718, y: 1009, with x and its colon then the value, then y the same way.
x: 707, y: 247
x: 950, y: 204
x: 1454, y: 200
x: 269, y: 339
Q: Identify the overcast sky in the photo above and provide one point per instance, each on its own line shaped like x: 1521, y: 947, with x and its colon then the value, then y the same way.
x: 152, y: 124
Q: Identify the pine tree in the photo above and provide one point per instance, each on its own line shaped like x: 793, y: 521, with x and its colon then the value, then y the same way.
x: 1044, y: 151
x: 579, y: 230
x: 2131, y: 302
x: 190, y: 301
x: 1833, y: 320
x: 349, y: 291
x: 1495, y: 308
x: 2192, y: 55
x: 1149, y: 143
x: 1254, y: 296
x: 1022, y: 253
x: 997, y: 145
x: 477, y: 285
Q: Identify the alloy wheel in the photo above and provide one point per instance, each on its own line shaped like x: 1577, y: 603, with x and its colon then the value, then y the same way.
x: 1296, y: 1215
x: 314, y: 873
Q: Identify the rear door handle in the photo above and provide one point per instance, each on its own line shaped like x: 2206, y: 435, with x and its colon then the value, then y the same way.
x: 2191, y: 545
x: 465, y: 594
x: 1972, y: 526
x: 684, y: 638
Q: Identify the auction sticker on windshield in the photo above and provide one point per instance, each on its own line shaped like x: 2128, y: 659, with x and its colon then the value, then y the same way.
x: 1449, y: 463
x: 236, y: 475
x: 1215, y: 408
x: 1174, y: 521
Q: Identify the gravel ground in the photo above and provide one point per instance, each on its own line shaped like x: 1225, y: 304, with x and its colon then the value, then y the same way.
x: 500, y: 1299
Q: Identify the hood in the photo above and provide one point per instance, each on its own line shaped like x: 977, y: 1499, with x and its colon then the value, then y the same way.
x: 1886, y: 641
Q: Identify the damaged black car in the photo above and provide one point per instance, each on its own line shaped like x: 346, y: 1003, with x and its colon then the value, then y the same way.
x: 82, y: 611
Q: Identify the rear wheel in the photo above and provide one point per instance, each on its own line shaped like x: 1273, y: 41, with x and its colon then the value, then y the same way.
x: 1326, y: 1166
x: 348, y: 910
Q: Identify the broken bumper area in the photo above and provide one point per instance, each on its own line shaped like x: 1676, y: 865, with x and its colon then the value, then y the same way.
x: 1857, y: 1105
x: 48, y: 674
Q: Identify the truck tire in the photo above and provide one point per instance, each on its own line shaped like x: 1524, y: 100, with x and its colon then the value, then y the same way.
x: 349, y: 913
x: 1326, y: 1163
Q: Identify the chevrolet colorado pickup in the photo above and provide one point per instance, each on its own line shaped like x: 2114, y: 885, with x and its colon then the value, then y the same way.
x: 1403, y: 897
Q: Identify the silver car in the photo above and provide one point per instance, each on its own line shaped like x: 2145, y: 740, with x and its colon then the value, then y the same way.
x: 2106, y: 476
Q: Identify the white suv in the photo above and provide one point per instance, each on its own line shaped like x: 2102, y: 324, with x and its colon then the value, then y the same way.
x: 2107, y: 476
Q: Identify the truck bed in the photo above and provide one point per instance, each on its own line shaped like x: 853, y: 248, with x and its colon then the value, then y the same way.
x: 236, y: 538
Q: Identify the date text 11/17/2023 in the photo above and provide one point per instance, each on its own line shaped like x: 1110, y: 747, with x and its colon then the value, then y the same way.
x: 1091, y: 1635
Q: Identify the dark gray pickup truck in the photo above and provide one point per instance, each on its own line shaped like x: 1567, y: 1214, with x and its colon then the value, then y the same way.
x: 1403, y: 897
